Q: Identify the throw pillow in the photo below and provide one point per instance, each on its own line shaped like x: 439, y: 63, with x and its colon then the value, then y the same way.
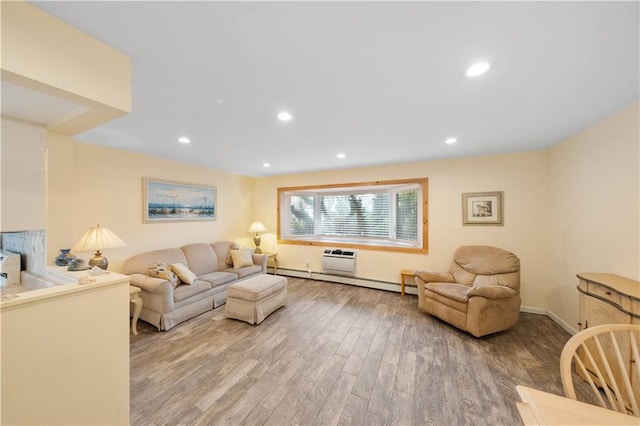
x: 185, y: 275
x: 229, y: 260
x: 161, y: 270
x: 241, y: 258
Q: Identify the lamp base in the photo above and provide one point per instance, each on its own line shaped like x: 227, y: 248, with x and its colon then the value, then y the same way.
x: 99, y: 260
x: 257, y: 240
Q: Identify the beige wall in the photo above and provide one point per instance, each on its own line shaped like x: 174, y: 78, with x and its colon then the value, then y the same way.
x: 594, y: 207
x: 523, y: 177
x: 22, y: 167
x: 554, y: 220
x: 91, y: 185
x: 46, y: 55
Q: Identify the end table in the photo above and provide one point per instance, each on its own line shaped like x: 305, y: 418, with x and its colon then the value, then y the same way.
x: 404, y: 274
x: 134, y: 298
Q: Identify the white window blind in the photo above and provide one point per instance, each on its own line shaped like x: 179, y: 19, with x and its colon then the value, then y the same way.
x: 385, y: 215
x: 361, y: 215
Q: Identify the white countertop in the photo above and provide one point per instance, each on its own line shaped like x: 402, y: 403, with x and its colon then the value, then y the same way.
x: 65, y: 282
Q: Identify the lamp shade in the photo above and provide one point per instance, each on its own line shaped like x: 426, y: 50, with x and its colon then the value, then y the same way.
x: 257, y: 227
x: 98, y: 238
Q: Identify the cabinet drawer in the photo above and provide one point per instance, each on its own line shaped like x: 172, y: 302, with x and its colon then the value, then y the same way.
x: 605, y: 293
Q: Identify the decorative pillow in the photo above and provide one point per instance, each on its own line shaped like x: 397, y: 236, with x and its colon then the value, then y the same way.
x: 241, y: 258
x: 161, y: 270
x: 228, y: 259
x: 185, y: 275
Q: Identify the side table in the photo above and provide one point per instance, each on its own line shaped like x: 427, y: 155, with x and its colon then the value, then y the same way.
x: 273, y: 256
x: 134, y: 298
x: 404, y: 274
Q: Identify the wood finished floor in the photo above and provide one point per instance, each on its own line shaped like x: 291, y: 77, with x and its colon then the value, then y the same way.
x: 338, y: 354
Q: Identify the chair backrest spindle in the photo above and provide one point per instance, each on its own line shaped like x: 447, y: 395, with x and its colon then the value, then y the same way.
x: 607, y: 357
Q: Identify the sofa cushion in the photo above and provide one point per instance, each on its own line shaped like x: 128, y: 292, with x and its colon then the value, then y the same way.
x: 246, y: 271
x: 486, y: 260
x: 183, y: 292
x: 452, y: 295
x: 438, y: 299
x: 223, y: 251
x: 185, y: 275
x: 511, y: 280
x: 201, y: 259
x: 140, y: 263
x: 241, y: 258
x: 218, y: 278
x: 161, y: 270
x: 228, y: 260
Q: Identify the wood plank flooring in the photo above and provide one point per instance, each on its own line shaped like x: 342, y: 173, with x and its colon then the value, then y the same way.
x: 339, y: 354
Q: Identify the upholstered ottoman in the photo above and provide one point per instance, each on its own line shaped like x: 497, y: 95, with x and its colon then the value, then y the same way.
x: 253, y: 299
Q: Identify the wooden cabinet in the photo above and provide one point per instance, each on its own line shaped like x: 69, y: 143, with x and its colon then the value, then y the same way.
x: 607, y: 299
x: 610, y: 299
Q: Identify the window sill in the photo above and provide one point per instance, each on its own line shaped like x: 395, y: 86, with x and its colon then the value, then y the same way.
x: 370, y: 245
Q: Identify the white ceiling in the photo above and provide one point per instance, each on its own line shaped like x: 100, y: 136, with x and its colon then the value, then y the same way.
x: 382, y: 82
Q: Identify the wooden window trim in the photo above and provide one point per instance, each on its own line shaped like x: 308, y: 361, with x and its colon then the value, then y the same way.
x: 423, y: 182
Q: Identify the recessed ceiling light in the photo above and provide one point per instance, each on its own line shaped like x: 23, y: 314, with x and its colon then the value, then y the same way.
x: 451, y: 140
x: 341, y: 156
x: 266, y: 165
x: 184, y: 140
x: 285, y: 116
x: 477, y: 69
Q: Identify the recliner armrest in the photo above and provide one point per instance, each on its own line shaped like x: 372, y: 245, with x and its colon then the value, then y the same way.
x: 261, y: 260
x: 151, y: 284
x: 438, y: 277
x: 491, y: 292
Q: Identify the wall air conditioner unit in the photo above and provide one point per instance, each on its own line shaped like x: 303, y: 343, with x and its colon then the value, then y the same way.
x: 339, y: 262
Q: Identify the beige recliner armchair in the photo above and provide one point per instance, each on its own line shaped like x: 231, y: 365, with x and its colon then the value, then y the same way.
x: 480, y: 294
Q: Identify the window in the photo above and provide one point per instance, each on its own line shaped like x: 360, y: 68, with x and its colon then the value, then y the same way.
x: 388, y: 215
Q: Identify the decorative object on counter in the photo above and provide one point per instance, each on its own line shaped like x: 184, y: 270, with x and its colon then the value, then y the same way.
x: 78, y: 265
x: 65, y: 257
x: 96, y: 270
x: 9, y: 268
x: 86, y: 280
x: 98, y: 238
x: 257, y: 227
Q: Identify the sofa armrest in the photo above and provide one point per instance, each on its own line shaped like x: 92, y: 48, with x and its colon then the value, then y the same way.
x: 491, y: 292
x: 437, y: 277
x: 151, y: 284
x: 261, y: 260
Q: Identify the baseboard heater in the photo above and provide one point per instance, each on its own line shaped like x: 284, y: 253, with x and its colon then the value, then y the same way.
x: 339, y: 262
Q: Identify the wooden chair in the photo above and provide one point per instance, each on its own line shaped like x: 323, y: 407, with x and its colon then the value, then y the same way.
x: 607, y: 358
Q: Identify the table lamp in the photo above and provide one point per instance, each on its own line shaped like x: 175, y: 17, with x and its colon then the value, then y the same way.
x: 257, y: 227
x: 98, y: 238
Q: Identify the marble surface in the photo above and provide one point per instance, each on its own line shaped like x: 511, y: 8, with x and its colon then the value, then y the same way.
x: 31, y: 245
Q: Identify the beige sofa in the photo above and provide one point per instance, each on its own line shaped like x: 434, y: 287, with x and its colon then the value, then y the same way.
x: 480, y: 294
x: 165, y: 306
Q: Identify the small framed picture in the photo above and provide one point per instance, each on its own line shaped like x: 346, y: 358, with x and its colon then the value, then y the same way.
x: 482, y: 208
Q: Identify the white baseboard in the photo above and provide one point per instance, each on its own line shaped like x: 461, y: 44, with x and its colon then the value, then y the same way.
x: 530, y: 310
x: 389, y: 286
x: 551, y: 315
x: 562, y: 323
x: 361, y: 282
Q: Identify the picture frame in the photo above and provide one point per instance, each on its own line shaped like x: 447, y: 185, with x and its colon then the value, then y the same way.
x: 168, y: 201
x: 482, y: 208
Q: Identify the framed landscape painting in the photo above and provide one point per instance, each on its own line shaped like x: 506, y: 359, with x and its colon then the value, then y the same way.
x: 165, y: 201
x: 482, y: 208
